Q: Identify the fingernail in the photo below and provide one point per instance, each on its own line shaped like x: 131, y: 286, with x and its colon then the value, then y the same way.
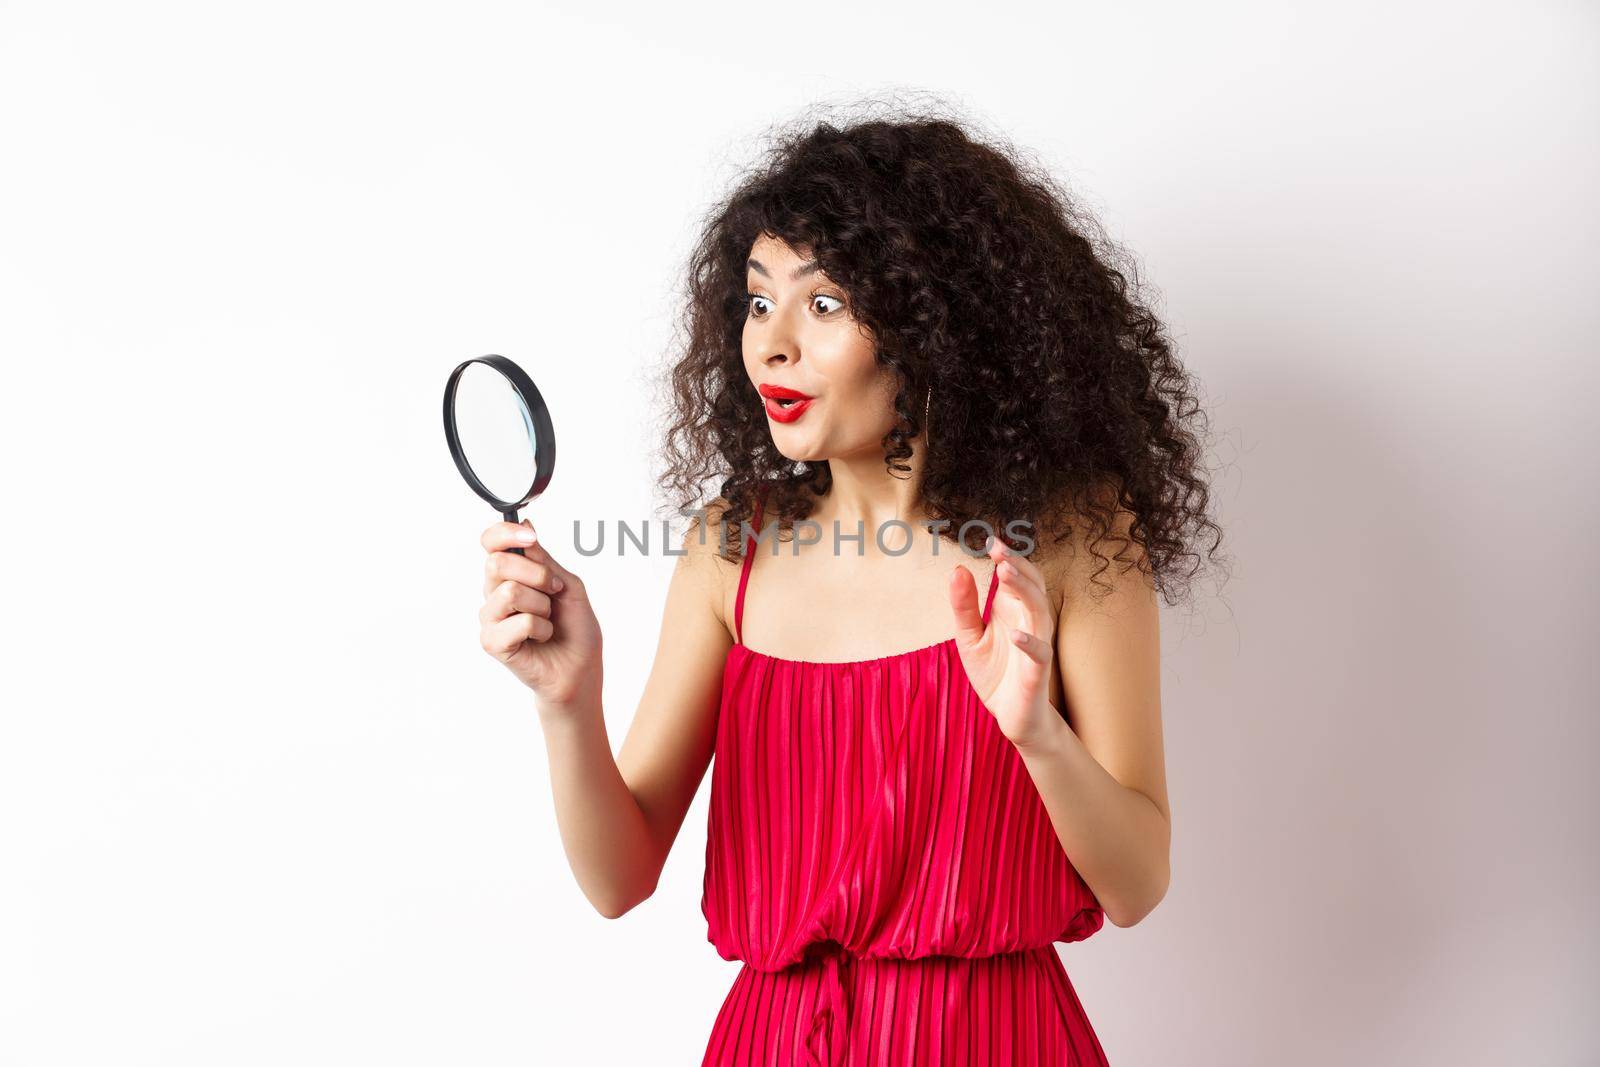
x: 526, y: 535
x: 557, y: 584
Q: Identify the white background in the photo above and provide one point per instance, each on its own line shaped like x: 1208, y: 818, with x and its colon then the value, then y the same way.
x: 263, y: 799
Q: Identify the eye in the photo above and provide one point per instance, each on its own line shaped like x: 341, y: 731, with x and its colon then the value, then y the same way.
x: 750, y: 301
x: 824, y: 296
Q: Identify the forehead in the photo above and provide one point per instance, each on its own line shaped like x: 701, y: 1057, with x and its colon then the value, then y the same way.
x: 775, y: 261
x: 773, y: 251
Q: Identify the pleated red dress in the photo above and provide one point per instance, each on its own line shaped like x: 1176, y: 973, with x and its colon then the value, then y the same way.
x: 878, y: 857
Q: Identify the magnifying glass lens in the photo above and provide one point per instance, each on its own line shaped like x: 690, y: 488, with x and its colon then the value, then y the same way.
x: 496, y: 432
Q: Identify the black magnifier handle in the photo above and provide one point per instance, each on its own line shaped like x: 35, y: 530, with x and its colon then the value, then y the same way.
x: 510, y: 515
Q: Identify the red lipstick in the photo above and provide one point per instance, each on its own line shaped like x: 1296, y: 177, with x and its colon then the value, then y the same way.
x: 784, y: 404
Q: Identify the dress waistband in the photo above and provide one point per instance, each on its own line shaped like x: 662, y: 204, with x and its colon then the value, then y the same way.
x: 828, y: 1032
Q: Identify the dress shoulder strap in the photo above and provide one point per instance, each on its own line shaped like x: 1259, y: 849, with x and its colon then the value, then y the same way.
x: 994, y: 583
x: 744, y: 574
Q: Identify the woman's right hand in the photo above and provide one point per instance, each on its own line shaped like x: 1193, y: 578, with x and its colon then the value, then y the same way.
x: 537, y: 620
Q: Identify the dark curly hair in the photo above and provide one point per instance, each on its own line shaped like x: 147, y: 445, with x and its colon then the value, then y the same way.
x: 1056, y: 395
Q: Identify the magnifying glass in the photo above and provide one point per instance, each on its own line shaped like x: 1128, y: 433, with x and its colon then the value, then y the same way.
x: 499, y: 432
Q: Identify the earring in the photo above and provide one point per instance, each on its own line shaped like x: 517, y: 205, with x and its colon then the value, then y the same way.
x: 926, y: 404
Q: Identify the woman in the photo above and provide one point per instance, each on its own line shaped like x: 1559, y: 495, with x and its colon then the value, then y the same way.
x: 892, y: 321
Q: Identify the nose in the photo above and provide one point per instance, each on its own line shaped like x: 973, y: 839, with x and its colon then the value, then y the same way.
x: 774, y: 341
x: 773, y: 352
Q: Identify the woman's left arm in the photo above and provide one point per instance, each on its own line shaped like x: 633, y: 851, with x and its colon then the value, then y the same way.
x: 1102, y: 777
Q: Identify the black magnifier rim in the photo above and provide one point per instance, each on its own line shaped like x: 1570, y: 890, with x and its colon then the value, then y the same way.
x: 544, y: 445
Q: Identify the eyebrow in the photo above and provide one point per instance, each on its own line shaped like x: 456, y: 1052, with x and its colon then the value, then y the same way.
x: 808, y: 267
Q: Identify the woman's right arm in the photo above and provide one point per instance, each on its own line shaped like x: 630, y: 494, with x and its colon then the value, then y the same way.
x: 618, y: 816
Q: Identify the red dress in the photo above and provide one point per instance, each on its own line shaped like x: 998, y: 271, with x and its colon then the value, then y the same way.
x: 879, y: 858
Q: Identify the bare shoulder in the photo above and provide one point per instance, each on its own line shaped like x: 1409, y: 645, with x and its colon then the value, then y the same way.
x: 1084, y: 564
x: 704, y: 556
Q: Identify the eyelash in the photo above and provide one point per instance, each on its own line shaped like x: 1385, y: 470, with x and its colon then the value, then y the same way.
x: 749, y: 297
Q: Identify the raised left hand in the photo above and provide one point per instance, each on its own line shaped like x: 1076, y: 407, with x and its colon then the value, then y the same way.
x: 1008, y: 661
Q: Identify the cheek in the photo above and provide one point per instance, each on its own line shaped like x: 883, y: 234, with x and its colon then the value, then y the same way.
x: 869, y: 390
x: 882, y: 395
x: 853, y: 361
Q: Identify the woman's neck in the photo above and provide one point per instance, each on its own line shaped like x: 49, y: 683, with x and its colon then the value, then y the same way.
x: 865, y: 496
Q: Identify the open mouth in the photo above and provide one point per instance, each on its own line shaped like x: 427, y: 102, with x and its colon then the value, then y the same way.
x: 784, y: 408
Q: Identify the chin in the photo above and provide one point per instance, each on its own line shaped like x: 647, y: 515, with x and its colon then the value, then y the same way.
x: 795, y: 446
